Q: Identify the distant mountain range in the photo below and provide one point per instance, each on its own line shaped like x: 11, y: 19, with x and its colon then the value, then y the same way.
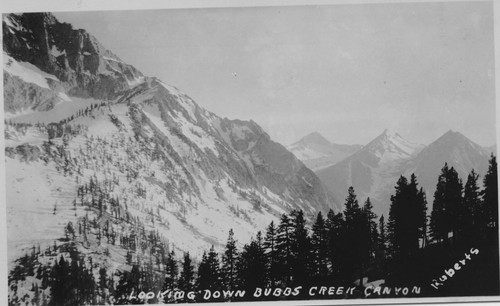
x: 317, y: 152
x: 374, y: 168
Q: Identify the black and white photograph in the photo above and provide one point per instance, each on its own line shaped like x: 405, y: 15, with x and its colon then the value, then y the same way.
x: 287, y: 153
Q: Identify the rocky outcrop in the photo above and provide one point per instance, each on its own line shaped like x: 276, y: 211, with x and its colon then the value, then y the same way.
x: 20, y: 95
x: 25, y: 151
x: 84, y: 67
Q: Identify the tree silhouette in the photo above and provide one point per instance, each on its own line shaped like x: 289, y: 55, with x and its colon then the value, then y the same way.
x: 300, y: 247
x: 272, y: 255
x: 490, y: 194
x: 229, y: 262
x: 319, y: 250
x: 407, y: 219
x: 252, y: 265
x: 447, y: 205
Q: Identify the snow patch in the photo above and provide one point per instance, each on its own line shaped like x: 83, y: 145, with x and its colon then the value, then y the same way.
x: 56, y: 52
x: 67, y: 107
x: 111, y: 59
x: 26, y: 71
x: 182, y: 98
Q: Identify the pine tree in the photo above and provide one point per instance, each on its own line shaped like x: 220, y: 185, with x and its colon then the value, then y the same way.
x: 129, y: 282
x: 209, y: 274
x: 490, y: 194
x: 472, y: 218
x: 407, y: 219
x: 271, y: 253
x: 284, y: 249
x: 370, y: 234
x: 300, y: 247
x: 381, y: 248
x: 60, y: 292
x: 319, y: 242
x: 102, y: 282
x: 187, y: 274
x: 353, y: 243
x: 335, y: 225
x: 229, y: 262
x: 382, y: 237
x: 252, y: 265
x: 172, y: 272
x: 447, y: 205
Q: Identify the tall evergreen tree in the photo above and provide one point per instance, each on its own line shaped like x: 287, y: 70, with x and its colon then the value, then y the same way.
x: 186, y: 278
x: 172, y: 272
x: 381, y: 249
x: 407, y: 218
x: 447, y: 205
x: 335, y: 225
x: 382, y: 236
x: 129, y: 282
x: 490, y: 194
x: 272, y: 255
x: 229, y: 262
x: 319, y: 242
x: 300, y: 247
x: 353, y: 244
x: 252, y: 265
x: 472, y: 218
x: 284, y: 249
x: 370, y: 234
x: 60, y: 289
x: 209, y: 274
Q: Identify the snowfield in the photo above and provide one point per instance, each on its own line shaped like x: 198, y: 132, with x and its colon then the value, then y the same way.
x: 40, y: 195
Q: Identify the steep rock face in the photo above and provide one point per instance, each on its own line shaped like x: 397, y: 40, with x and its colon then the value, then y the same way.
x: 19, y: 95
x: 83, y: 66
x: 316, y: 152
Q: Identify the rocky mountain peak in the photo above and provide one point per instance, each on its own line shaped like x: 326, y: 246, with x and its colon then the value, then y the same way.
x: 81, y: 66
x: 314, y: 138
x: 390, y: 142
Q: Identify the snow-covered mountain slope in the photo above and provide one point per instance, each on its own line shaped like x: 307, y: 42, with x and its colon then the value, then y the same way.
x: 372, y: 171
x: 145, y: 161
x: 316, y: 152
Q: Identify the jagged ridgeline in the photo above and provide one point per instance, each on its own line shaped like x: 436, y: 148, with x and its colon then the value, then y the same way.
x: 107, y: 169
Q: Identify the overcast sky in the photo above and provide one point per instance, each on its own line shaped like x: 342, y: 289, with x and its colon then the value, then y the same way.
x: 346, y: 71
